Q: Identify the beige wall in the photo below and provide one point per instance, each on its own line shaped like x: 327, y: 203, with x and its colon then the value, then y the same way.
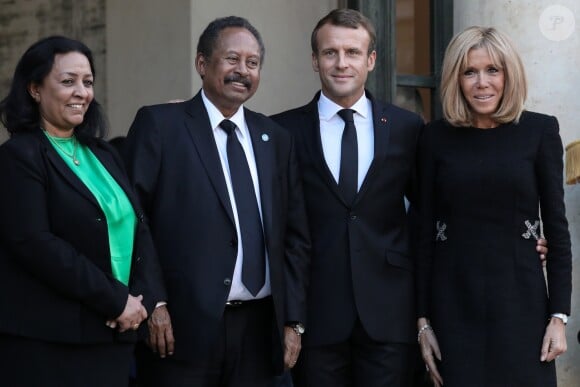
x: 148, y: 56
x: 151, y: 46
x: 553, y: 79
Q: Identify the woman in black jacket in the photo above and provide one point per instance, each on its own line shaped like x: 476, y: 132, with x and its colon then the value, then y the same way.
x: 78, y: 271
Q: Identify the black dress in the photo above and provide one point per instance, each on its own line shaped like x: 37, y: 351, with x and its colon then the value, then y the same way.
x: 480, y: 279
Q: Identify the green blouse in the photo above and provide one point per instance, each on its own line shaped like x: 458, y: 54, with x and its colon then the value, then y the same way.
x: 119, y: 212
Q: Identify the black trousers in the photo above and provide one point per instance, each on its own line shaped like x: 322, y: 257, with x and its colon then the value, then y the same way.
x: 29, y: 363
x: 358, y: 361
x: 241, y: 357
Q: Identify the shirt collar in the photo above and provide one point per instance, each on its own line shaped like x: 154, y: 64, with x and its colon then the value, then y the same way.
x: 216, y: 117
x: 327, y: 109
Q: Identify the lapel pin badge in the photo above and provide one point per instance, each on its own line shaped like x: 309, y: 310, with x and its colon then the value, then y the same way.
x: 383, y: 120
x: 265, y: 137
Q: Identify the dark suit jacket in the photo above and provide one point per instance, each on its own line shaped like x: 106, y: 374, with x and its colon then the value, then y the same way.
x: 361, y: 264
x: 175, y: 167
x: 56, y: 282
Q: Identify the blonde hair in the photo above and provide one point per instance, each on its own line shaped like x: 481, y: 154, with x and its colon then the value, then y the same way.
x: 502, y: 52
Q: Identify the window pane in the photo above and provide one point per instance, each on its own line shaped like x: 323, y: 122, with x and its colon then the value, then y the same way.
x: 415, y: 99
x: 413, y: 53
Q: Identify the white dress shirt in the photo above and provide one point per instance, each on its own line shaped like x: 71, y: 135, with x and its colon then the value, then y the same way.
x: 238, y: 291
x: 332, y: 126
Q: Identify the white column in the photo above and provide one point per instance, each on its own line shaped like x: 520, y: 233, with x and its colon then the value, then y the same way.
x: 550, y: 48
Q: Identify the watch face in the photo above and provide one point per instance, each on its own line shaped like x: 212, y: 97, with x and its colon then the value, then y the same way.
x: 298, y: 328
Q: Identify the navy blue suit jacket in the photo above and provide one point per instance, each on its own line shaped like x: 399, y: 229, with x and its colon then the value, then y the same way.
x: 174, y: 164
x: 362, y: 264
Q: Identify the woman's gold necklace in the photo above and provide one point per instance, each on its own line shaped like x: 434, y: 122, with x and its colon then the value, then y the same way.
x: 72, y: 155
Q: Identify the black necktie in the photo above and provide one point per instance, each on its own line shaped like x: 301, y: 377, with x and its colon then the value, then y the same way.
x: 348, y: 178
x: 254, y: 261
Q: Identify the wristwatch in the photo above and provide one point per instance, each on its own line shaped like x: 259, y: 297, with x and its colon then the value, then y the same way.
x: 561, y: 316
x: 298, y: 328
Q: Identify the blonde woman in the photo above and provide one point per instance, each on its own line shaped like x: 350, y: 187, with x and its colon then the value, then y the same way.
x: 491, y: 178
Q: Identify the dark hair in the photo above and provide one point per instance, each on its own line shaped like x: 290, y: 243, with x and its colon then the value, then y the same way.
x: 345, y: 17
x: 19, y: 112
x: 209, y: 36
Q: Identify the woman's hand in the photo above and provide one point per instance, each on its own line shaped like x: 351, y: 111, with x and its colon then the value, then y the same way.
x: 554, y: 343
x: 429, y: 350
x: 132, y: 316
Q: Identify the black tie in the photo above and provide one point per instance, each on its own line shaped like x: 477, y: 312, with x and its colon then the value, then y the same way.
x: 254, y: 261
x: 348, y: 178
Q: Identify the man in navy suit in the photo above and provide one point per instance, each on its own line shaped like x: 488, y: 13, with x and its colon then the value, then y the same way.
x: 231, y: 233
x: 361, y: 296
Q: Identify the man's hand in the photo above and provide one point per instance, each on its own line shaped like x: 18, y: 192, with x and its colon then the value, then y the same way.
x: 132, y: 316
x: 160, y: 332
x: 292, y: 346
x: 542, y: 249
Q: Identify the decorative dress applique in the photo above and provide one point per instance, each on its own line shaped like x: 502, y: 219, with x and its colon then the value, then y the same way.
x: 532, y: 230
x: 441, y: 227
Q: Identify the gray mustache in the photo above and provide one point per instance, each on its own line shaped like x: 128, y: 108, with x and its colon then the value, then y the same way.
x: 236, y: 78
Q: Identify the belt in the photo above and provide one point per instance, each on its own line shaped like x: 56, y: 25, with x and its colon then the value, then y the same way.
x: 240, y: 303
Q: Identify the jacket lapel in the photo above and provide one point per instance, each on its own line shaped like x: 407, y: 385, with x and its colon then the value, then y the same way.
x: 310, y: 129
x: 381, y: 129
x: 112, y: 166
x: 65, y: 171
x: 106, y: 158
x: 262, y: 144
x: 200, y: 131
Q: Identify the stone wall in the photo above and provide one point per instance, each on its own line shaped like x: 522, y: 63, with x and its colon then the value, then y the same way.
x: 22, y: 22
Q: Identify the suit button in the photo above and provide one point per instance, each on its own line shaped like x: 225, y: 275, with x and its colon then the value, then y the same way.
x: 99, y: 219
x: 352, y: 217
x: 138, y: 259
x: 234, y: 243
x: 227, y: 282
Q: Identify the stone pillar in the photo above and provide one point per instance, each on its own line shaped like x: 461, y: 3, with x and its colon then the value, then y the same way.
x: 550, y: 46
